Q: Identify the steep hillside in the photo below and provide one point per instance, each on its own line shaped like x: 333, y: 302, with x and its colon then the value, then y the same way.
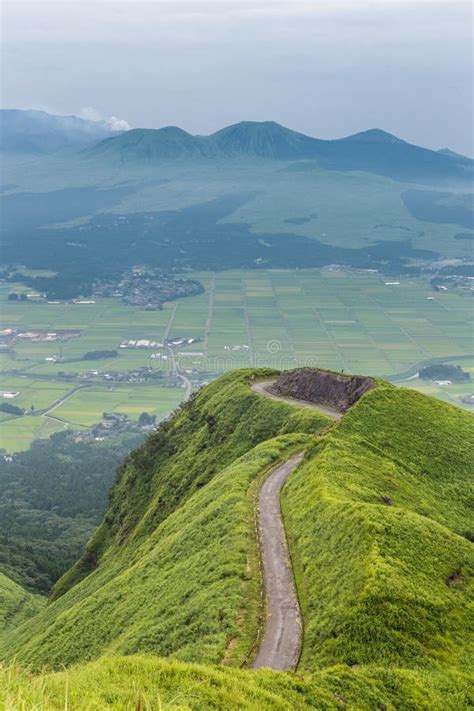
x: 16, y: 604
x: 379, y: 525
x: 380, y: 521
x: 147, y: 144
x: 179, y: 532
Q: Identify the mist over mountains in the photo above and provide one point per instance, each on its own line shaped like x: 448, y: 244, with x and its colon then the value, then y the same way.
x: 38, y: 132
x: 84, y: 202
x: 373, y: 151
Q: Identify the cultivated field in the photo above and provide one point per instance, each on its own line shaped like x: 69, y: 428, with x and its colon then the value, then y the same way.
x: 354, y: 322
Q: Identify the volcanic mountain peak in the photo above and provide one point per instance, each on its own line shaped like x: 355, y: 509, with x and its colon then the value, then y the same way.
x: 374, y: 135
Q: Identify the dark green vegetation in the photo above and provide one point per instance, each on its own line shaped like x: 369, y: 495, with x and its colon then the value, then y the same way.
x: 250, y: 195
x: 436, y: 206
x: 190, y: 238
x: 444, y: 371
x: 379, y: 521
x: 98, y: 355
x: 51, y: 498
x: 11, y: 409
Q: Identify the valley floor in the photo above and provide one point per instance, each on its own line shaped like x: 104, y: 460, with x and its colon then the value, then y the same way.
x: 356, y: 322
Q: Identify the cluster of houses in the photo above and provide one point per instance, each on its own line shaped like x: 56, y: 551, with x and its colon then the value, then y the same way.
x: 147, y: 343
x: 141, y: 343
x: 13, y: 334
x: 139, y: 375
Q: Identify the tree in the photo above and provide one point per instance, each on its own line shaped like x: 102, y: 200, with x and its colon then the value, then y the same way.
x: 146, y: 420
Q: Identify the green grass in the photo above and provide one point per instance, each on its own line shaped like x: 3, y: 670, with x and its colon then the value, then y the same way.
x: 388, y: 582
x: 16, y: 604
x: 85, y: 407
x: 179, y: 531
x: 335, y: 320
x: 330, y: 319
x: 153, y: 684
x: 16, y: 434
x: 385, y: 584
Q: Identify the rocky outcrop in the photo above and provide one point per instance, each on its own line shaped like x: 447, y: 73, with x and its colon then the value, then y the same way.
x: 334, y: 390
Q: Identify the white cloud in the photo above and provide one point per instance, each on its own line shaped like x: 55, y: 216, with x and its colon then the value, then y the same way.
x: 114, y: 123
x: 117, y: 124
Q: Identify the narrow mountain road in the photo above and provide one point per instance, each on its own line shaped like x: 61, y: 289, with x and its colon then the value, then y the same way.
x: 281, y: 643
x: 282, y: 636
x: 263, y: 388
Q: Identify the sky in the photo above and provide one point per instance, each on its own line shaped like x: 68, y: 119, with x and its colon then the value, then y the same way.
x: 327, y: 68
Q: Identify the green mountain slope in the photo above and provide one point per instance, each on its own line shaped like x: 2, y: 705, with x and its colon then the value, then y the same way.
x: 16, y: 604
x: 250, y: 195
x: 374, y: 151
x: 379, y: 524
x: 179, y: 533
x: 380, y: 519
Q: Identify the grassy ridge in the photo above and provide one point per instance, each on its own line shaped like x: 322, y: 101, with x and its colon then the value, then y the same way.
x: 172, y: 572
x: 220, y: 424
x: 379, y: 521
x: 148, y: 683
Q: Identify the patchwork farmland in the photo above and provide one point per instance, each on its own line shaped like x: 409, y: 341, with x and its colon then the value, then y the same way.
x: 356, y: 322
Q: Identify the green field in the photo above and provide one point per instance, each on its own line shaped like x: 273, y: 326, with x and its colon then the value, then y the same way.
x: 83, y: 408
x: 354, y: 322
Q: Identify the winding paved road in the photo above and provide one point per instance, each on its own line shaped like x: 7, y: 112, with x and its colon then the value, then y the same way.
x: 281, y: 643
x: 282, y: 636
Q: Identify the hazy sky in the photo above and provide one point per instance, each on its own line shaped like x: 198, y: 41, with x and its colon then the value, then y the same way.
x: 326, y: 67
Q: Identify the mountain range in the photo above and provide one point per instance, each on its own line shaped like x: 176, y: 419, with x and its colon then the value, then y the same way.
x: 85, y: 203
x: 373, y: 151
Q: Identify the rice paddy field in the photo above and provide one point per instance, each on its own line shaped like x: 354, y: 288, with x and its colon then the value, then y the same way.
x: 357, y: 322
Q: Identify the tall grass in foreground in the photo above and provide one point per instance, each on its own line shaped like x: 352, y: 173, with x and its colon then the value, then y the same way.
x: 141, y: 683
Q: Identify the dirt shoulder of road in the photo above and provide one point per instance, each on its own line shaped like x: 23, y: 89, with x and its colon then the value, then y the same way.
x: 264, y: 388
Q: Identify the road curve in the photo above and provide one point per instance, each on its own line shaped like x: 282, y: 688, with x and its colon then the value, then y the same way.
x: 281, y: 643
x: 263, y: 388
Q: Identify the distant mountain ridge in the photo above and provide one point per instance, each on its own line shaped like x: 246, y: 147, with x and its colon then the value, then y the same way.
x: 373, y: 151
x: 38, y: 132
